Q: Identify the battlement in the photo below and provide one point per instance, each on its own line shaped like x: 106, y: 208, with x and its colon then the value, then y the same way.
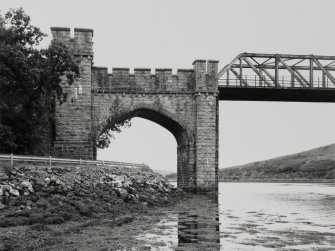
x: 152, y: 72
x: 202, y: 78
x: 206, y: 74
x: 200, y: 65
x: 79, y: 45
x: 142, y: 80
x: 157, y: 80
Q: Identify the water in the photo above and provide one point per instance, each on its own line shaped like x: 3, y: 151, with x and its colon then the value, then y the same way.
x: 250, y: 216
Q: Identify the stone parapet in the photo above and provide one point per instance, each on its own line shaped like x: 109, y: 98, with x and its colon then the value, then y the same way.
x: 143, y: 80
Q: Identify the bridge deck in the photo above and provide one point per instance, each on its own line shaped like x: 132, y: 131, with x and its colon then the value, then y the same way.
x: 273, y: 94
x: 278, y: 77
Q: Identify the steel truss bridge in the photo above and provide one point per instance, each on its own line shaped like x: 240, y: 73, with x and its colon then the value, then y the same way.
x: 278, y: 77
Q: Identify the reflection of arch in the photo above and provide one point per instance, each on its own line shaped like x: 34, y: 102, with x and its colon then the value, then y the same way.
x: 166, y: 119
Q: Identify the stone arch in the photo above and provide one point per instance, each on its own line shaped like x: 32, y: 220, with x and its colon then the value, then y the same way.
x: 173, y: 123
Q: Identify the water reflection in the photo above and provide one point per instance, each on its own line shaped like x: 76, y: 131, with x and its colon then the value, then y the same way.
x: 199, y: 224
x: 253, y: 216
x: 191, y: 225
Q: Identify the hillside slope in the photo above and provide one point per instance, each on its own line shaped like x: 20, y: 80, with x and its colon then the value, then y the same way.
x: 314, y: 165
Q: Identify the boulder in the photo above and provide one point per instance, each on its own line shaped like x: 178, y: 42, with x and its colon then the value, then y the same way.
x: 58, y: 182
x: 25, y: 184
x: 14, y: 192
x: 118, y: 183
x: 3, y: 177
x: 127, y: 183
x: 122, y: 193
x: 2, y: 190
x: 2, y: 206
x: 133, y: 199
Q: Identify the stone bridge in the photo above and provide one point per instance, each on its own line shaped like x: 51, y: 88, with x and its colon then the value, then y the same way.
x: 186, y: 104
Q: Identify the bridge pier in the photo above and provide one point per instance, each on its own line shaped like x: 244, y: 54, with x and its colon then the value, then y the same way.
x: 206, y: 125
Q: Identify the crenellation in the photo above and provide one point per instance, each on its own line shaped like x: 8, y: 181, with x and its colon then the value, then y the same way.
x: 175, y: 84
x: 99, y: 76
x: 212, y: 69
x: 143, y: 80
x: 79, y: 45
x: 61, y: 34
x: 83, y: 44
x: 184, y: 103
x: 163, y: 79
x: 186, y: 79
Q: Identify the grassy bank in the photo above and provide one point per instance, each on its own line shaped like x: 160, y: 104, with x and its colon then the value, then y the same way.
x: 316, y: 165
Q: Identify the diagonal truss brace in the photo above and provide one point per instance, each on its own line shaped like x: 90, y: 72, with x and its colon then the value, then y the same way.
x: 294, y: 73
x: 330, y: 76
x: 302, y: 78
x: 239, y: 77
x: 257, y: 72
x: 269, y: 75
x: 298, y: 69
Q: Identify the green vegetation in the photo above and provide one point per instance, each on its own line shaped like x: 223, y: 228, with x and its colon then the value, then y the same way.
x: 313, y: 165
x: 30, y: 82
x: 105, y: 138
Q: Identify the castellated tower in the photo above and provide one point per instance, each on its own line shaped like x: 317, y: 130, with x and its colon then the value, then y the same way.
x: 73, y: 118
x: 206, y: 122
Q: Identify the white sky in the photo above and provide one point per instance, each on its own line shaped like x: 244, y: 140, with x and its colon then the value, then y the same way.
x: 171, y: 34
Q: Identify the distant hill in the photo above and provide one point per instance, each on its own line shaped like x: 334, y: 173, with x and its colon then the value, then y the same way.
x: 162, y: 172
x: 171, y: 176
x: 314, y: 165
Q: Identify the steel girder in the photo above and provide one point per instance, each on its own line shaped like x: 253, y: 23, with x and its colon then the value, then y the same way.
x: 279, y: 71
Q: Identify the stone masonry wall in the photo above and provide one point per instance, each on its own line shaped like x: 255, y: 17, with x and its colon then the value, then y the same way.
x: 206, y: 151
x: 174, y: 112
x: 73, y: 118
x: 186, y: 104
x: 143, y: 80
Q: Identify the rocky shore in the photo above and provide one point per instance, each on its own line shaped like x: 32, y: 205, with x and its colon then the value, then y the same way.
x: 38, y: 196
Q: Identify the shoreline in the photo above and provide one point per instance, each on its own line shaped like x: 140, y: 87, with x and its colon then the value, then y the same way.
x: 54, y: 195
x: 325, y: 181
x: 80, y: 208
x: 85, y: 234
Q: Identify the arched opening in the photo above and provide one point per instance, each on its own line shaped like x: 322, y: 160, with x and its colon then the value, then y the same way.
x: 173, y: 124
x: 143, y: 142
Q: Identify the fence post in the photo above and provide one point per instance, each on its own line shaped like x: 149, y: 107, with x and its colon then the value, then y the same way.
x: 50, y: 160
x: 80, y: 161
x: 103, y: 162
x: 11, y: 160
